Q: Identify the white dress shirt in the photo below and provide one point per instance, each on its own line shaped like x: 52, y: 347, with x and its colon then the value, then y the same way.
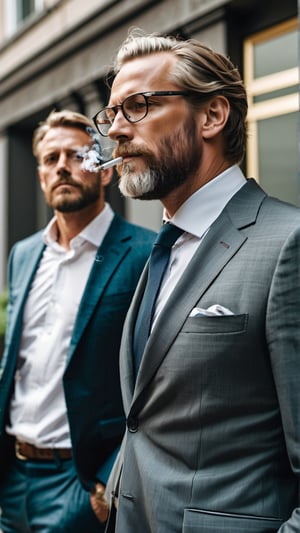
x: 195, y: 217
x: 38, y: 411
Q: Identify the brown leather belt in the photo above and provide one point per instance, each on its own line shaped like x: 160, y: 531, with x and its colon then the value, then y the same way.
x: 25, y: 451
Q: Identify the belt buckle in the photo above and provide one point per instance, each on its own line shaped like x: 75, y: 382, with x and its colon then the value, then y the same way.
x: 19, y: 455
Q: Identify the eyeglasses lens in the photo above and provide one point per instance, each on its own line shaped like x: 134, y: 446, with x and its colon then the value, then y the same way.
x: 135, y: 107
x: 104, y: 120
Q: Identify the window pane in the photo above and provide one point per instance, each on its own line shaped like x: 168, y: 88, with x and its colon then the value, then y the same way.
x: 276, y: 54
x: 275, y: 94
x: 278, y: 159
x: 24, y: 9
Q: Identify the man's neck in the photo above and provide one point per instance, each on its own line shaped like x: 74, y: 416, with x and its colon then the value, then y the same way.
x: 176, y: 198
x: 69, y: 225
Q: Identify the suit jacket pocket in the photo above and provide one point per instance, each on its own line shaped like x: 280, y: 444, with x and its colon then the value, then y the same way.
x: 213, y: 522
x: 216, y: 324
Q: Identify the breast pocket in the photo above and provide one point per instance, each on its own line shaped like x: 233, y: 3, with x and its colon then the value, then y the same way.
x: 209, y: 346
x: 216, y: 324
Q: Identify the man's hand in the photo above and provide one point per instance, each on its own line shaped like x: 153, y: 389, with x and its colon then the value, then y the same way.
x: 99, y: 504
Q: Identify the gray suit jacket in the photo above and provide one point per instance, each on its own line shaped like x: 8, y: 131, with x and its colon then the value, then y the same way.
x: 213, y: 423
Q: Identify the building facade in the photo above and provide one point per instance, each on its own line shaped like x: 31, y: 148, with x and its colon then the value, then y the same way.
x: 57, y: 54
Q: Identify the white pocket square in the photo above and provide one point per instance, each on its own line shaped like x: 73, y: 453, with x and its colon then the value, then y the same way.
x: 213, y: 310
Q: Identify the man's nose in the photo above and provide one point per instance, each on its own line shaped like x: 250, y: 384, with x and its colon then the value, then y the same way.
x: 120, y: 128
x: 63, y: 161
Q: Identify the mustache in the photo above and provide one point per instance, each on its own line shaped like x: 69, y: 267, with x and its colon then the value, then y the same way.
x: 64, y: 180
x: 129, y: 149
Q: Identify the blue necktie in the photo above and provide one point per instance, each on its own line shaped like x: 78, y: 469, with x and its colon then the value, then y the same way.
x: 157, y: 265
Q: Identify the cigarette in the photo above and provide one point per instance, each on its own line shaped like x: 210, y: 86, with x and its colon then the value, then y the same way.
x: 111, y: 163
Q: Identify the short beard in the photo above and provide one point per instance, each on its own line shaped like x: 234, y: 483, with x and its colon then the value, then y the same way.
x: 180, y: 157
x: 65, y: 203
x: 71, y: 205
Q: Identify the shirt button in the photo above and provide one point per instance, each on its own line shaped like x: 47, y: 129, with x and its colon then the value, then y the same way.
x: 132, y: 424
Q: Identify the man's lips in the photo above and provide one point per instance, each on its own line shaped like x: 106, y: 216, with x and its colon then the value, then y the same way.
x: 127, y: 157
x: 64, y: 184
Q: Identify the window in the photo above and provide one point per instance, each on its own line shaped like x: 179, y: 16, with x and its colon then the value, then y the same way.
x: 24, y: 9
x: 272, y: 78
x: 18, y: 11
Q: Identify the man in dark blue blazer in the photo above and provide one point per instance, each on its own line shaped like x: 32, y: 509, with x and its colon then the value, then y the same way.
x: 61, y: 416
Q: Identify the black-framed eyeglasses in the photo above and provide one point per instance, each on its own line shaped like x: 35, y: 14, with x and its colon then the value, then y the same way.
x: 134, y: 108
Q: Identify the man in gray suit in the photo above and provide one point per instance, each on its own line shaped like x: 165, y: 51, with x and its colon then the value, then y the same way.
x: 61, y: 415
x: 213, y: 409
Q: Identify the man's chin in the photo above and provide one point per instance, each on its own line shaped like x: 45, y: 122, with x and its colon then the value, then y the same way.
x: 138, y: 195
x: 150, y: 195
x: 66, y: 208
x: 135, y: 188
x: 67, y: 205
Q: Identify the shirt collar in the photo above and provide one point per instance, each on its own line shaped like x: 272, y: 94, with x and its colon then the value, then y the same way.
x: 94, y: 232
x: 200, y: 210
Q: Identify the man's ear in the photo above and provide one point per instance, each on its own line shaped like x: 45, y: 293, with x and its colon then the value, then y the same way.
x: 106, y: 176
x: 217, y: 113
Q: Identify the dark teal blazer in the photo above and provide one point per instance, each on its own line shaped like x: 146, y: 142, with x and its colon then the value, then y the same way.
x: 91, y: 378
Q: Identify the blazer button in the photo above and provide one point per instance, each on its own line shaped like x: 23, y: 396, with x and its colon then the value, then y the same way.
x: 132, y: 424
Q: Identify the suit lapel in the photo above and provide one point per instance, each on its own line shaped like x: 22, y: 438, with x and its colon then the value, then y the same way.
x: 24, y: 268
x: 218, y: 247
x: 126, y: 359
x: 109, y: 255
x: 28, y: 265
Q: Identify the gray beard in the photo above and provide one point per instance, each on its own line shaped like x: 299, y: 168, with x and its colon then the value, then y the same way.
x: 137, y: 185
x: 169, y: 172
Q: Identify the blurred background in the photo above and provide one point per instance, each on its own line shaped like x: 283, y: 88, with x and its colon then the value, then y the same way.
x: 57, y: 54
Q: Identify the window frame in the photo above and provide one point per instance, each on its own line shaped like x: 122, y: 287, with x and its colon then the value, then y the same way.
x: 271, y: 107
x: 12, y: 23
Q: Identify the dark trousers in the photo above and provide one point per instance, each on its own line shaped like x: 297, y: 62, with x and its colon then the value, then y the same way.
x: 45, y: 497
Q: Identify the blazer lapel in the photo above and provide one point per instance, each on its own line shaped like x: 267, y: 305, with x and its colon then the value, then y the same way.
x: 220, y: 244
x: 29, y: 261
x: 109, y: 254
x: 24, y: 270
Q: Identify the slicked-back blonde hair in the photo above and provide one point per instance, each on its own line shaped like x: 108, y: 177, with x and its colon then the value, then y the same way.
x: 66, y: 118
x: 203, y: 72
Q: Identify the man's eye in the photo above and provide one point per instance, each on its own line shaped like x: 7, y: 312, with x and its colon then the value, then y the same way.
x: 139, y: 105
x: 76, y: 157
x: 154, y: 101
x: 135, y: 105
x: 50, y: 159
